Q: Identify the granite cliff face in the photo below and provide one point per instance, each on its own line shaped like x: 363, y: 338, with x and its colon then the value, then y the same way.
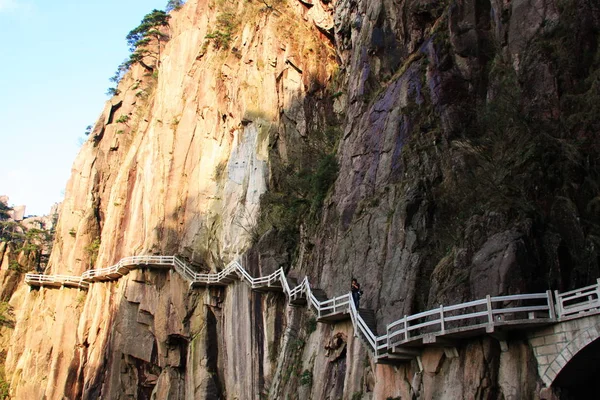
x: 25, y: 244
x: 436, y: 150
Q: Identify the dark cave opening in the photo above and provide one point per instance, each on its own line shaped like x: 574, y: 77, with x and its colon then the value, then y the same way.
x: 579, y: 377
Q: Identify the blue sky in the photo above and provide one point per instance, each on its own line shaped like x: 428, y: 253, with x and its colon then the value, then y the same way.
x: 56, y: 59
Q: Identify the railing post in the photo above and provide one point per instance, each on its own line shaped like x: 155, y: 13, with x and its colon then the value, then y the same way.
x: 406, y: 328
x: 387, y: 337
x: 442, y: 318
x: 489, y: 310
x: 550, y: 304
x: 334, y: 304
x: 598, y: 290
x: 559, y: 310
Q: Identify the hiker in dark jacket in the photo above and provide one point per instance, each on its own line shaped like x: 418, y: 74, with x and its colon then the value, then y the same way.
x: 356, y: 292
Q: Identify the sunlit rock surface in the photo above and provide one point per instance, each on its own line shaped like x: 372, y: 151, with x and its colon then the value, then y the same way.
x: 464, y: 169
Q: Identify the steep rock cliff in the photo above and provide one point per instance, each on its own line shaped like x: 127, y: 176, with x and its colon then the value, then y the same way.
x: 466, y: 165
x: 175, y: 164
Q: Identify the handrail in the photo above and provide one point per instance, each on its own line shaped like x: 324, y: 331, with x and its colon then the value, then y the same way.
x: 574, y: 291
x: 60, y: 279
x: 489, y: 311
x: 574, y: 302
x: 362, y: 327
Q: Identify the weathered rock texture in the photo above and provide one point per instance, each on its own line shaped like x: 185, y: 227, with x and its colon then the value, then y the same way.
x: 25, y: 246
x: 436, y: 150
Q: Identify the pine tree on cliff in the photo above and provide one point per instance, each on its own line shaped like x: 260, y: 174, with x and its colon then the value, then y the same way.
x: 174, y: 5
x: 4, y: 211
x: 140, y: 39
x: 8, y: 227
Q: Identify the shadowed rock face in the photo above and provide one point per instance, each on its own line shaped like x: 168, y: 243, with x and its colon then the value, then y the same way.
x: 466, y: 166
x: 450, y: 184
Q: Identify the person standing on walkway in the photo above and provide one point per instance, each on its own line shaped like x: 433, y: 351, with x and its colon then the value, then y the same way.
x: 356, y: 292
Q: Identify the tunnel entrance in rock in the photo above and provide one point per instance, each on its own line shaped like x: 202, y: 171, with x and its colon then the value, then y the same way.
x: 579, y: 378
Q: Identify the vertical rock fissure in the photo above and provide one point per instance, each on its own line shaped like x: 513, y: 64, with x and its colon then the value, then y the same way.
x: 212, y: 353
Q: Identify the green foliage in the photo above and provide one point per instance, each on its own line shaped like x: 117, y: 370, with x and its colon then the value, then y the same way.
x: 139, y: 36
x: 501, y: 154
x: 14, y: 265
x: 139, y: 40
x: 312, y: 325
x: 219, y: 173
x: 4, y: 388
x: 4, y: 385
x: 111, y: 91
x: 294, y: 362
x: 583, y: 107
x: 513, y: 156
x: 503, y: 151
x: 121, y: 70
x: 72, y: 232
x: 174, y: 5
x: 4, y: 211
x: 225, y: 28
x: 299, y: 188
x: 269, y: 5
x: 88, y: 130
x: 299, y: 197
x: 321, y: 180
x: 36, y: 234
x: 357, y: 395
x: 92, y: 250
x: 572, y: 48
x: 27, y: 240
x: 517, y: 160
x: 81, y: 298
x: 5, y: 314
x: 306, y: 378
x: 10, y: 231
x: 123, y: 119
x: 297, y: 345
x: 29, y: 247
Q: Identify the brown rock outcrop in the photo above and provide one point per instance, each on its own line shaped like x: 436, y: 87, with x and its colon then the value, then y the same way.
x: 175, y: 164
x: 464, y: 163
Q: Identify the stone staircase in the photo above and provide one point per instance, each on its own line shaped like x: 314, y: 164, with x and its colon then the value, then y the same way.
x: 319, y: 294
x: 368, y: 316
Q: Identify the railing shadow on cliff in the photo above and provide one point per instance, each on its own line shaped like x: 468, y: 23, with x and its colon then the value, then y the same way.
x: 454, y: 321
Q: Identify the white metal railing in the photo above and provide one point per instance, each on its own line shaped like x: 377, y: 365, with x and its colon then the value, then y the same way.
x: 361, y: 326
x: 63, y: 280
x: 578, y: 301
x: 298, y: 290
x: 488, y: 312
x: 485, y: 313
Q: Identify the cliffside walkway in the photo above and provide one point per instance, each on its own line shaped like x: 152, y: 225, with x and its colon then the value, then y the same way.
x: 403, y: 338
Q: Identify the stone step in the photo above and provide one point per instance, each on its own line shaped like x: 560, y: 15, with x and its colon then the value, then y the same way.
x: 370, y: 319
x: 319, y: 294
x: 292, y: 282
